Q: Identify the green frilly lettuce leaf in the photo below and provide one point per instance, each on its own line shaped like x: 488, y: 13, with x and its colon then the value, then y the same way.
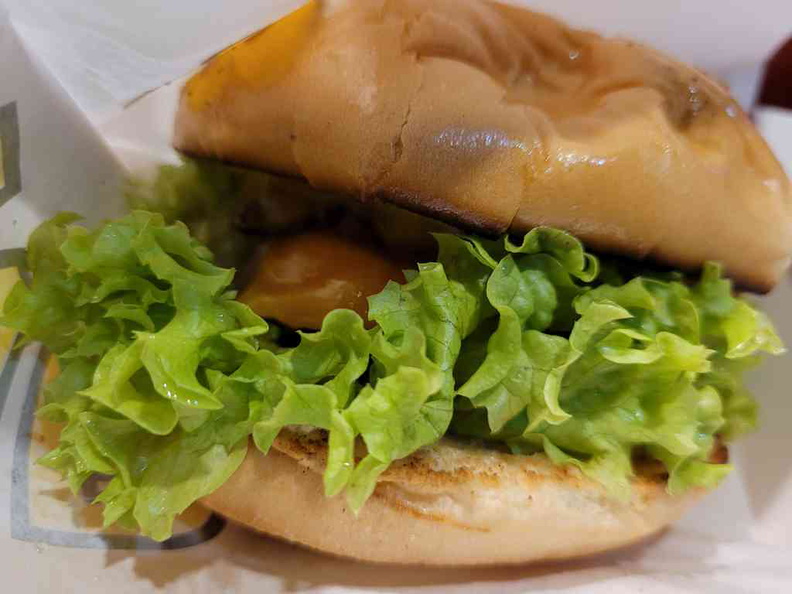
x: 165, y: 377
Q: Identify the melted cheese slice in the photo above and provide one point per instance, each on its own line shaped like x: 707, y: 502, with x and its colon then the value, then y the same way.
x: 303, y: 277
x: 264, y: 58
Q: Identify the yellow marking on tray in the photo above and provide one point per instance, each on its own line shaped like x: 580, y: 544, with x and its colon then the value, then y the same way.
x: 2, y: 170
x: 8, y: 278
x: 258, y: 61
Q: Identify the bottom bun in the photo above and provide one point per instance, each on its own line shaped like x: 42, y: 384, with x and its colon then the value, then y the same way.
x: 451, y: 504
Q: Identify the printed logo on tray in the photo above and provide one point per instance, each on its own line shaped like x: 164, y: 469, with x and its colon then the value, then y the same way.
x: 10, y: 175
x: 43, y: 510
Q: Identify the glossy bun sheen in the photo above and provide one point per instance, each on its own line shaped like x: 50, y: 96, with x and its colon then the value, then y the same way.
x: 498, y: 119
x: 448, y: 504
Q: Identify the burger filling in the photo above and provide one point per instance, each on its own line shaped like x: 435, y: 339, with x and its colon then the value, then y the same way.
x: 357, y: 321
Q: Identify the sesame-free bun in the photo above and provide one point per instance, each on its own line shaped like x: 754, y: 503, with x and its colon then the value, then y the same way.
x: 448, y: 504
x: 496, y: 119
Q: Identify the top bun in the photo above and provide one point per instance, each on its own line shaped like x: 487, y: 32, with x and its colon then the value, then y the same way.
x: 497, y: 119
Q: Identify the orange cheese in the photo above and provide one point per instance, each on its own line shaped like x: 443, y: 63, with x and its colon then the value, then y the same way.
x: 259, y: 60
x: 301, y: 278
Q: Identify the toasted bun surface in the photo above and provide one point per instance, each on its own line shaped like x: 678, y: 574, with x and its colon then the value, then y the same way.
x: 495, y: 118
x: 451, y: 504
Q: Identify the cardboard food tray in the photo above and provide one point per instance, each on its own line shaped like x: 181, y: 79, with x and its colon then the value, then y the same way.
x: 68, y: 138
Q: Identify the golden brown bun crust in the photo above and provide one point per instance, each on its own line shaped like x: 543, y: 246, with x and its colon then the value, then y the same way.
x: 495, y: 118
x: 446, y: 505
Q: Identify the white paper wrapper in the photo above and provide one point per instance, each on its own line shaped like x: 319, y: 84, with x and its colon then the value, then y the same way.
x: 58, y: 156
x: 107, y: 52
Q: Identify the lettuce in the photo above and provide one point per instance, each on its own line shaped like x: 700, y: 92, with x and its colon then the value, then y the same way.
x: 165, y: 377
x: 208, y: 197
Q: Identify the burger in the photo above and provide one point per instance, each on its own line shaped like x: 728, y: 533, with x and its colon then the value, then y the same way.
x: 489, y: 305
